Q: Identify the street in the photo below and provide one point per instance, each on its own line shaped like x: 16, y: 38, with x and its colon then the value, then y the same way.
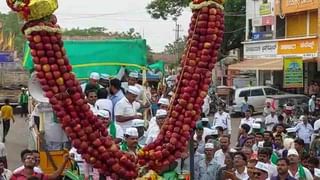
x: 16, y: 141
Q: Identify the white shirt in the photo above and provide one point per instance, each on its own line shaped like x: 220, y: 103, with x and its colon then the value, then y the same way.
x: 104, y: 104
x: 6, y: 175
x: 317, y: 125
x: 243, y: 175
x: 152, y: 123
x: 3, y: 151
x: 152, y: 135
x: 304, y: 132
x: 93, y: 109
x: 35, y: 169
x: 306, y: 171
x: 119, y: 131
x: 206, y: 105
x: 222, y: 120
x: 271, y: 121
x: 124, y: 108
x: 248, y: 121
x: 219, y: 156
x: 273, y: 170
x: 288, y: 143
x: 206, y: 131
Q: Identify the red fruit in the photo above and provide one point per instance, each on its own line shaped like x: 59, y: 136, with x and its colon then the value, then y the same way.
x: 37, y: 38
x: 39, y: 46
x: 84, y: 145
x: 60, y: 61
x: 58, y: 54
x: 97, y: 143
x: 45, y: 39
x: 53, y: 39
x: 77, y: 128
x: 41, y: 53
x: 76, y: 143
x: 54, y: 67
x: 50, y: 53
x: 48, y: 46
x: 56, y: 47
x: 46, y: 68
x: 56, y: 74
x: 92, y: 160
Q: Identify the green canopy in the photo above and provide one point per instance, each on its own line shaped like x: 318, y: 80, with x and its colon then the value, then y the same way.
x: 158, y: 66
x: 105, y: 56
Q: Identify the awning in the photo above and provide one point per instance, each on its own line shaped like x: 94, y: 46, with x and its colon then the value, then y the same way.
x: 258, y: 64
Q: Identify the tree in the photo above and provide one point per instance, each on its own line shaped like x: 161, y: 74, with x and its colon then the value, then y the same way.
x: 177, y: 47
x: 234, y: 19
x: 11, y: 24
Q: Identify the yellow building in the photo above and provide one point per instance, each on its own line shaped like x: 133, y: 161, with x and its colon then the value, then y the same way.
x: 277, y: 30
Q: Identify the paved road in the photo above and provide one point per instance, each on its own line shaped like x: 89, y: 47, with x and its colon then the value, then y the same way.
x: 16, y: 141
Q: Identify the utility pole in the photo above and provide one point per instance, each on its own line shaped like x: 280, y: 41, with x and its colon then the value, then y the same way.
x: 177, y: 31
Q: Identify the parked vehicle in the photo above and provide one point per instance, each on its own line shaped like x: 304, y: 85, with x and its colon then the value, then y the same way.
x: 256, y: 97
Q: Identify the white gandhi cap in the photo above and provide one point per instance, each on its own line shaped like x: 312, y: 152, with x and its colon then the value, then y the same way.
x: 164, y: 101
x: 209, y: 146
x: 132, y: 132
x: 133, y: 74
x: 161, y: 112
x: 138, y: 123
x: 103, y: 113
x: 95, y: 76
x: 134, y: 90
x: 262, y: 166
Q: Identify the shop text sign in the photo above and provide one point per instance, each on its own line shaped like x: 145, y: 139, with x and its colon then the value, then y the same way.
x: 265, y: 9
x: 305, y: 47
x: 292, y: 72
x: 261, y: 50
x: 291, y: 6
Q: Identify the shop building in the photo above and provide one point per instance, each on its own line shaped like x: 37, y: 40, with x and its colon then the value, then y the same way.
x: 278, y: 30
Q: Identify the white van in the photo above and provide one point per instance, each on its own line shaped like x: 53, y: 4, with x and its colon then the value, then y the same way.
x: 256, y: 97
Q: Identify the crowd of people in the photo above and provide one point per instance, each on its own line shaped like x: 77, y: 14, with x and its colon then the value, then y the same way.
x: 266, y: 148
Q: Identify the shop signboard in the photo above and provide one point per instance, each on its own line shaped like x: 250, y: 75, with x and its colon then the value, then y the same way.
x: 265, y: 9
x: 257, y: 21
x: 292, y: 72
x: 260, y: 50
x: 307, y: 48
x: 267, y: 20
x: 262, y: 36
x: 292, y: 6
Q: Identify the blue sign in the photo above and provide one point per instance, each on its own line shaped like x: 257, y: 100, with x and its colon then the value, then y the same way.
x: 261, y: 36
x: 6, y: 57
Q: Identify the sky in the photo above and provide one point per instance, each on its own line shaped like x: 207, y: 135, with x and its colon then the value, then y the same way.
x: 120, y: 16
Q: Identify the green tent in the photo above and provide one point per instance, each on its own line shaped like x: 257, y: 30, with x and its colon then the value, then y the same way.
x: 158, y: 66
x: 105, y: 56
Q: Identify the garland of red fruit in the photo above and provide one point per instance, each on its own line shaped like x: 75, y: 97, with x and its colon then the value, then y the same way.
x: 204, y: 40
x: 87, y: 133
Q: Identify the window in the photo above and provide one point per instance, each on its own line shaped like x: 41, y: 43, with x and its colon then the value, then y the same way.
x: 270, y: 91
x: 244, y: 93
x: 265, y: 1
x: 280, y: 24
x: 257, y: 92
x: 250, y: 28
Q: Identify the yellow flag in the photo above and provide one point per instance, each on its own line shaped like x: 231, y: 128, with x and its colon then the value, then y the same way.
x: 1, y: 40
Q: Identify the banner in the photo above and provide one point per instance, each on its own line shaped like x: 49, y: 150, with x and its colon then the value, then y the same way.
x: 303, y: 47
x: 292, y: 72
x: 265, y: 9
x: 293, y: 6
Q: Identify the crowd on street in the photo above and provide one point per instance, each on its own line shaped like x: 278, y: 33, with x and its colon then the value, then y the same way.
x: 266, y: 148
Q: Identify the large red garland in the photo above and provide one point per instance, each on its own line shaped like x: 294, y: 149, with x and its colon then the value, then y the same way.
x: 87, y: 133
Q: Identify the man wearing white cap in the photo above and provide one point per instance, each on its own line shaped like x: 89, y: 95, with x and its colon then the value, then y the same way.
x: 296, y: 170
x: 133, y: 81
x: 222, y: 118
x: 139, y: 124
x: 288, y: 141
x: 261, y: 172
x: 125, y: 110
x: 246, y: 120
x: 208, y: 167
x: 92, y: 83
x: 130, y: 144
x: 114, y: 129
x: 271, y: 120
x: 305, y: 131
x: 163, y: 104
x: 155, y: 130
